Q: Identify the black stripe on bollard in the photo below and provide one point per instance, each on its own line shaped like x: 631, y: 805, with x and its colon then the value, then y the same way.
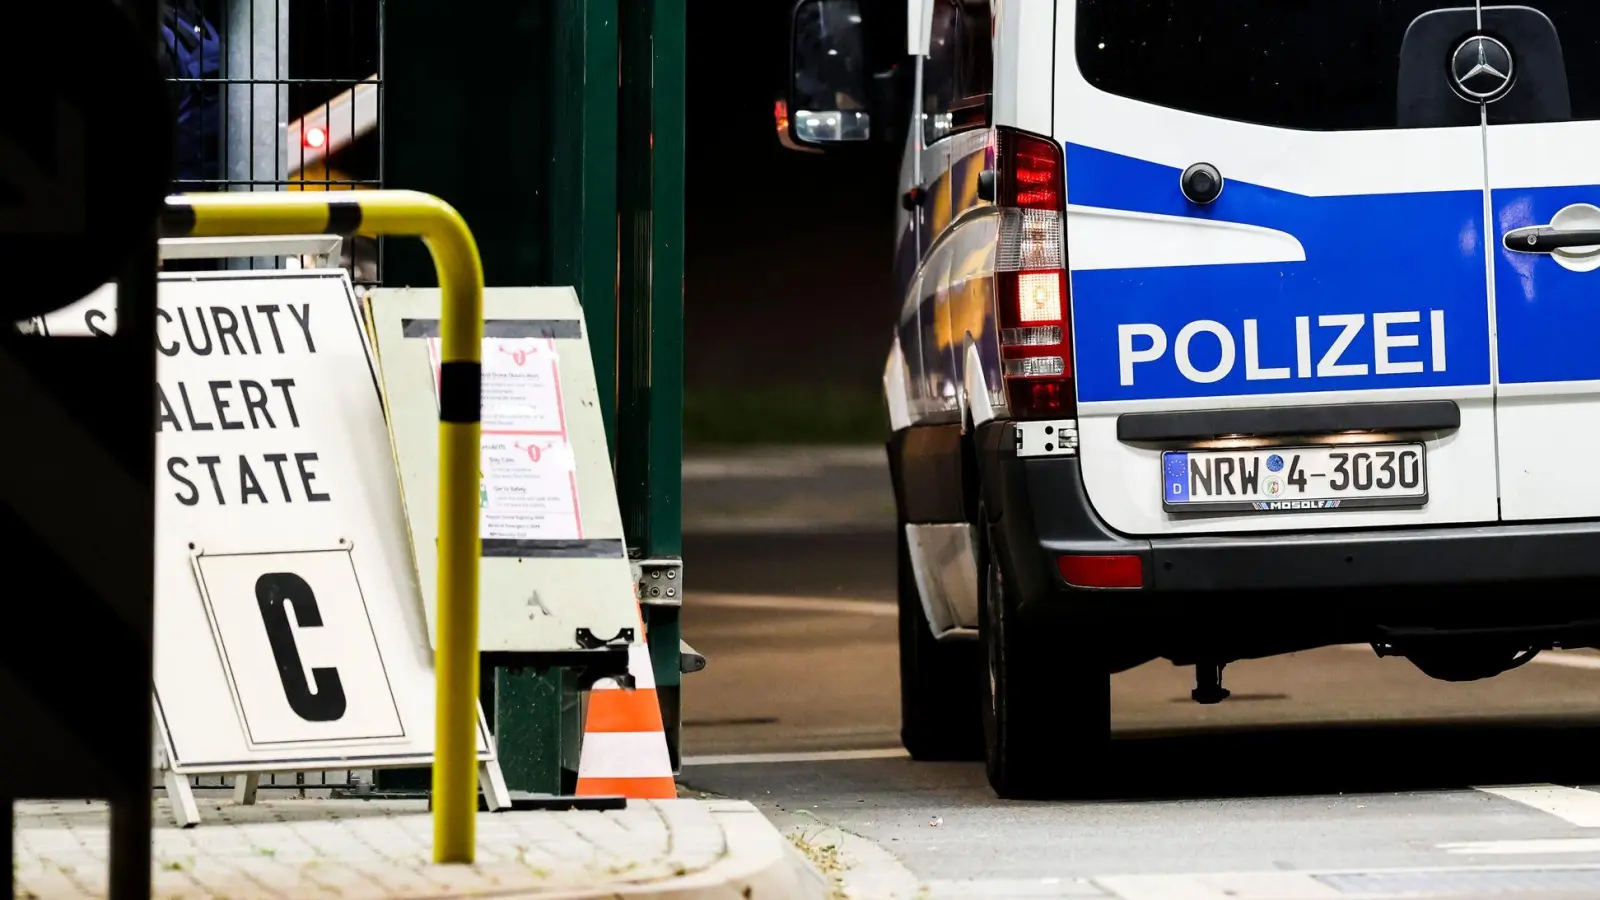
x: 460, y: 392
x: 344, y: 216
x: 177, y: 219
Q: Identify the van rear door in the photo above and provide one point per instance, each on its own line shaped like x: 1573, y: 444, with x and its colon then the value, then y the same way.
x: 1544, y: 177
x: 1343, y: 263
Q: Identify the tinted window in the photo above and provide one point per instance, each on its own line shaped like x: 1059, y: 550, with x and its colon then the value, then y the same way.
x: 1577, y: 27
x: 1324, y: 65
x: 959, y: 65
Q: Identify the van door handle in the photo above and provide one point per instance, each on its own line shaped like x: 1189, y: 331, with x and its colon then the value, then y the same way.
x: 1545, y: 239
x: 912, y: 199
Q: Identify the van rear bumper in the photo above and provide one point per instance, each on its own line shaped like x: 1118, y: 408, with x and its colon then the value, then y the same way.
x: 1366, y: 580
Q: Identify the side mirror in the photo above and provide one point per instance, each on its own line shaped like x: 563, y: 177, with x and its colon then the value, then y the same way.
x: 830, y: 86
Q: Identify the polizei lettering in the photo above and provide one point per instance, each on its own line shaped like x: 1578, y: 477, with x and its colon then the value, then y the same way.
x: 1403, y: 343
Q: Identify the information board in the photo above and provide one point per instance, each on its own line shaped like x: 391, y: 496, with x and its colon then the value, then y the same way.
x: 554, y: 564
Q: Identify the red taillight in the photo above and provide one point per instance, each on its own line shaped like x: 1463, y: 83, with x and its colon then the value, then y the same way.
x: 316, y: 138
x: 1102, y: 571
x: 1031, y: 289
x: 1030, y: 171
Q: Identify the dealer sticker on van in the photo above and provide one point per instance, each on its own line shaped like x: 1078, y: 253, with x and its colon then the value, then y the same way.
x: 1282, y: 479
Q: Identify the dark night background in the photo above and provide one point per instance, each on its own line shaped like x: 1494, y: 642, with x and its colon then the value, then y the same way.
x: 788, y: 297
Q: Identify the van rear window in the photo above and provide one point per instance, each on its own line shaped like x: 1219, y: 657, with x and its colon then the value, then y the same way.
x: 1317, y: 65
x: 1322, y: 65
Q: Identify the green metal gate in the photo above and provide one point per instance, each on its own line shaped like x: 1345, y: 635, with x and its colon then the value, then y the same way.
x: 514, y: 114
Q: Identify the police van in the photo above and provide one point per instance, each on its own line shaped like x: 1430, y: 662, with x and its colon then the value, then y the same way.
x: 1227, y: 329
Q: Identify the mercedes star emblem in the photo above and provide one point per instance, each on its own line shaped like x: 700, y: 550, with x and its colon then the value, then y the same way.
x: 1481, y: 69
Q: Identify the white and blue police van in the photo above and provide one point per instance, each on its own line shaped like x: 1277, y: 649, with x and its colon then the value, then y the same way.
x: 1229, y: 328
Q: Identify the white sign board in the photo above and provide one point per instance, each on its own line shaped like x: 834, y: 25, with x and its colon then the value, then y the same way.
x: 289, y: 624
x: 554, y: 560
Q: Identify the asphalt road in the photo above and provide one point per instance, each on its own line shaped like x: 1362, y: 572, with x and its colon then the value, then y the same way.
x: 1330, y: 774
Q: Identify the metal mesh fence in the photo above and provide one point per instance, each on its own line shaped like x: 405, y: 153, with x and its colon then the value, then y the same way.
x: 278, y: 95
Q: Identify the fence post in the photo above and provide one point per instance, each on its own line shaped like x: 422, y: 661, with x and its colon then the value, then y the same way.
x: 649, y: 443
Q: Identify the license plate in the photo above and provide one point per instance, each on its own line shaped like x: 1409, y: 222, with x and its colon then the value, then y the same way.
x: 1295, y: 479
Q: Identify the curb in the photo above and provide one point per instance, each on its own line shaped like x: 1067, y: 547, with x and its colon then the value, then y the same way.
x: 760, y: 864
x: 756, y: 863
x: 870, y: 871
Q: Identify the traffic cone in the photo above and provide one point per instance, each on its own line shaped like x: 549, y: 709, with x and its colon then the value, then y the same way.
x: 624, y: 744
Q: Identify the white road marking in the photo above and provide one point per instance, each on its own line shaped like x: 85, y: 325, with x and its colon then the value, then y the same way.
x: 992, y: 889
x: 722, y: 526
x: 1518, y: 848
x: 1577, y: 807
x: 1290, y: 885
x: 1221, y: 886
x: 794, y: 604
x: 744, y: 759
x: 785, y: 463
x: 727, y: 469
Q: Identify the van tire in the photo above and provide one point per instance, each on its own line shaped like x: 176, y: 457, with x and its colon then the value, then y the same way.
x: 941, y: 719
x: 1046, y: 704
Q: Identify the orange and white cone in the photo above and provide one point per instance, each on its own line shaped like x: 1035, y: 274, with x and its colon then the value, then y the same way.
x: 624, y: 744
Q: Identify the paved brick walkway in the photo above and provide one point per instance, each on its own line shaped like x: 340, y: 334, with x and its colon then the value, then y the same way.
x: 369, y: 849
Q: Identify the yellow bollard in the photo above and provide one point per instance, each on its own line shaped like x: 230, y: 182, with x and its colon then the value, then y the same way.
x: 455, y: 256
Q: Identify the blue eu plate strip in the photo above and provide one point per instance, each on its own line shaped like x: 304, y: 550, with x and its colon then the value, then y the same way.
x: 1177, y: 469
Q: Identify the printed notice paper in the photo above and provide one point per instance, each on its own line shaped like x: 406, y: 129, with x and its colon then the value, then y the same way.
x: 528, y: 476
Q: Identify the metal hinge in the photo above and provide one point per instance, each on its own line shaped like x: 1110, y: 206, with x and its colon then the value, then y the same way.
x: 659, y: 581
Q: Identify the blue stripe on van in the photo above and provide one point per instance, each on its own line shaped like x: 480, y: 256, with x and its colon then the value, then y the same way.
x: 1366, y: 254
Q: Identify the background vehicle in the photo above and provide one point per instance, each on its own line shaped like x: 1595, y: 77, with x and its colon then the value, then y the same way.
x: 1229, y: 332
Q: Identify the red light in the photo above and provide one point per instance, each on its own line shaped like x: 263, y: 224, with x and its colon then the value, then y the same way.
x: 1031, y: 170
x: 1102, y: 571
x: 316, y: 138
x: 1034, y: 303
x: 1042, y: 399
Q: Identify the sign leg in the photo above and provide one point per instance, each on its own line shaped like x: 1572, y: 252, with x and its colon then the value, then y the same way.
x: 184, y: 810
x: 244, y: 788
x: 493, y: 783
x: 130, y: 845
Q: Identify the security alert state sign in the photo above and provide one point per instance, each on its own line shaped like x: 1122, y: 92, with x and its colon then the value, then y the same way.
x: 289, y: 624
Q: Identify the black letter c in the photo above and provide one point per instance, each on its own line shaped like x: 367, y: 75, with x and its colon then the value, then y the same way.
x: 273, y: 591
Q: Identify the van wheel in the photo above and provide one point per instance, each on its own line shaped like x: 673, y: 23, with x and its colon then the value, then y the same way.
x: 1046, y: 708
x: 940, y: 714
